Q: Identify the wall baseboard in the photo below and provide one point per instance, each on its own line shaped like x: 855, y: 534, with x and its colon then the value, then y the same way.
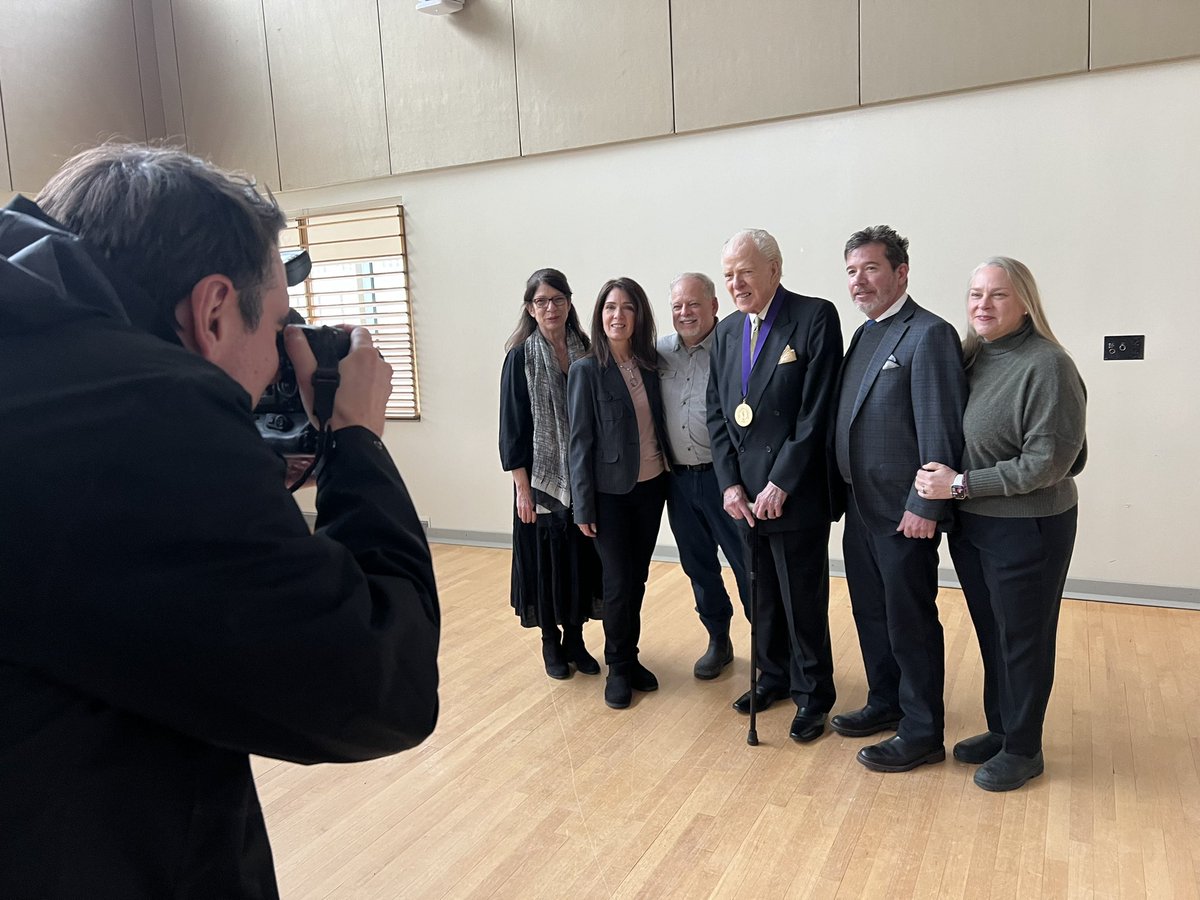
x: 1076, y: 589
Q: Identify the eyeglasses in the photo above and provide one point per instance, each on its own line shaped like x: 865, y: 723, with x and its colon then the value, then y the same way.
x: 543, y: 302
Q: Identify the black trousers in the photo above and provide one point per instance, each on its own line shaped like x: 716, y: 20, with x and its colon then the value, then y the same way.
x: 893, y: 593
x: 626, y: 531
x: 793, y: 614
x: 1012, y: 572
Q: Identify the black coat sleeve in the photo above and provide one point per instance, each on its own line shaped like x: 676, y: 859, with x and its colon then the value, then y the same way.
x: 516, y: 414
x: 180, y: 583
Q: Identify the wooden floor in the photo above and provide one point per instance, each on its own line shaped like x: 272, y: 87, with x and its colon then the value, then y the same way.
x: 533, y: 788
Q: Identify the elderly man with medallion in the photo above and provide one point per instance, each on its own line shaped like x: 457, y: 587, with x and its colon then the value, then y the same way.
x: 774, y: 364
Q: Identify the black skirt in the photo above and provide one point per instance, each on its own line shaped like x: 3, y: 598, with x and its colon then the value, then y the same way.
x: 555, y: 572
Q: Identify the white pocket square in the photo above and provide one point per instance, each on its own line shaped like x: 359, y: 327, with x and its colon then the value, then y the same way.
x: 788, y: 355
x: 890, y: 364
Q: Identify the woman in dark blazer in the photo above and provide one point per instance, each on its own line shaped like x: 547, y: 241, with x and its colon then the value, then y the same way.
x: 1025, y: 443
x: 618, y: 469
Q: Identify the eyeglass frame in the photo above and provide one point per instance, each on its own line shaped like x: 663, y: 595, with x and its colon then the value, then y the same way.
x: 544, y: 302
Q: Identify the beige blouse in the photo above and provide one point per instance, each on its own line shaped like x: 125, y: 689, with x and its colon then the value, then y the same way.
x: 652, y: 458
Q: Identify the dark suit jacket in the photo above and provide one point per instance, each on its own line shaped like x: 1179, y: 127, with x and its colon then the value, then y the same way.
x: 605, y: 454
x: 904, y: 416
x: 785, y: 444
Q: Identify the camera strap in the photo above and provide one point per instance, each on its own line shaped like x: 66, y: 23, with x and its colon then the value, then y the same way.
x: 325, y: 381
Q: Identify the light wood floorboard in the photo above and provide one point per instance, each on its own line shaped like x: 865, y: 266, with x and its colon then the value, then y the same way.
x: 532, y: 788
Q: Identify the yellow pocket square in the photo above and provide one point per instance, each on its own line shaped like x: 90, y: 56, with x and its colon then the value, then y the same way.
x: 788, y: 355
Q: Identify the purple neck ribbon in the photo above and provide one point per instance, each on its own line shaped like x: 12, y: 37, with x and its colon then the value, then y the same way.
x: 763, y: 330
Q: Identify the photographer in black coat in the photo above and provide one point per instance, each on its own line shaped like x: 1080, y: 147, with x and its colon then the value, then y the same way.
x: 164, y: 610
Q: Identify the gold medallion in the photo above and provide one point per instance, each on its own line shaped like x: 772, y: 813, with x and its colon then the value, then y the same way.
x: 743, y: 415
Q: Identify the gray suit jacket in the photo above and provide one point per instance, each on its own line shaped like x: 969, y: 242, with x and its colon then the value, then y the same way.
x: 906, y: 413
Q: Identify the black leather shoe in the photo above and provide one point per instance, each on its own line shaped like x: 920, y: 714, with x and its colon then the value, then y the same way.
x: 807, y: 726
x: 1007, y: 771
x: 718, y: 655
x: 617, y: 692
x: 762, y: 699
x: 555, y: 660
x: 865, y: 722
x: 642, y: 679
x: 576, y: 652
x: 980, y: 748
x: 898, y: 755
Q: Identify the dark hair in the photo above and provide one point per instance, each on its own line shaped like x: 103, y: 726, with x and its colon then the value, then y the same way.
x: 644, y: 335
x: 894, y: 246
x: 166, y: 219
x: 527, y: 324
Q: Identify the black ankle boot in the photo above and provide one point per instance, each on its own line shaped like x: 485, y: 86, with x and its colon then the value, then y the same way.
x: 575, y: 651
x: 555, y: 659
x: 718, y: 655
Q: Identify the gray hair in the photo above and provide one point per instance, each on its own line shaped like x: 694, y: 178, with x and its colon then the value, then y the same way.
x: 706, y: 283
x: 763, y: 240
x: 1026, y: 289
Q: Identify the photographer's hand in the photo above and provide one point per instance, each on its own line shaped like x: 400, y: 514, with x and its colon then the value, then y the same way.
x: 366, y: 380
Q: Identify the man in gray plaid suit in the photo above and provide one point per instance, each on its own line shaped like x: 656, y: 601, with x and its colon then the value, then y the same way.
x: 899, y: 402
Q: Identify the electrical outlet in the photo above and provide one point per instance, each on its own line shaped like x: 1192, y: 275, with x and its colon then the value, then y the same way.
x: 1125, y: 346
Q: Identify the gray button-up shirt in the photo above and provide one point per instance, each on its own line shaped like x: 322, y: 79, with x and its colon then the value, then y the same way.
x: 684, y: 374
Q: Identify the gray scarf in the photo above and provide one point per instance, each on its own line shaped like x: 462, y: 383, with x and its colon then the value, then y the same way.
x: 549, y: 477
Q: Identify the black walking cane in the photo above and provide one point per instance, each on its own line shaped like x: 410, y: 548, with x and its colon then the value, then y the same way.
x: 752, y: 735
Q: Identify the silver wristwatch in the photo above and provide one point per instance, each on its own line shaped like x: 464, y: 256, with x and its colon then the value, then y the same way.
x: 958, y: 490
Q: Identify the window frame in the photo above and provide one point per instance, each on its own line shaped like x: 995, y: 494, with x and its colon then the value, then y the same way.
x: 397, y: 337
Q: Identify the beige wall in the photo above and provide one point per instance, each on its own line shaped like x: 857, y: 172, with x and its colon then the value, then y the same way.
x: 1079, y: 177
x: 307, y: 93
x: 1031, y: 170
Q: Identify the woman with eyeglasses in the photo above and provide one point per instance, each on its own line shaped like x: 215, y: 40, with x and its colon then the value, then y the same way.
x: 1015, y: 532
x: 618, y: 470
x: 555, y: 570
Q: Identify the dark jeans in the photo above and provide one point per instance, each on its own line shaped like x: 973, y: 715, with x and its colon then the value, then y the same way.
x: 1012, y: 572
x: 793, y: 646
x: 893, y: 592
x: 626, y: 531
x: 700, y: 524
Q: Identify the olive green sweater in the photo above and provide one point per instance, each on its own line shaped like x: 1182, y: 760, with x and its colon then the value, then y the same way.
x: 1024, y: 428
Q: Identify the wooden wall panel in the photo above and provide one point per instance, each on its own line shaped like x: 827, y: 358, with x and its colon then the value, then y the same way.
x: 451, y: 85
x: 226, y: 94
x: 739, y: 63
x: 5, y: 178
x: 327, y: 82
x: 168, y: 70
x: 69, y: 73
x: 910, y: 49
x: 592, y: 73
x: 1125, y: 32
x: 147, y: 59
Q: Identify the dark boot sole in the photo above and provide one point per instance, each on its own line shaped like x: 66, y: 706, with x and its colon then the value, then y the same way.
x: 889, y: 725
x: 936, y: 756
x: 999, y: 787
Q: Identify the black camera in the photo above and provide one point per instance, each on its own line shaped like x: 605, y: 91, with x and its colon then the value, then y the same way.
x: 280, y: 414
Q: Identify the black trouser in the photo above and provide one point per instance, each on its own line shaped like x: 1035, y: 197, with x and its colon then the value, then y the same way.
x: 1012, y: 572
x: 893, y: 592
x: 626, y: 532
x: 793, y: 614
